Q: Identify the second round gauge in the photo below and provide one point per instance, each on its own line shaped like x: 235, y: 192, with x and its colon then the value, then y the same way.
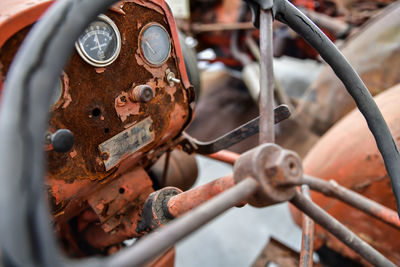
x: 155, y: 44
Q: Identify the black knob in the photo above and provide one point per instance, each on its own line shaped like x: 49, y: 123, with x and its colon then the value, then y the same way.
x: 62, y: 140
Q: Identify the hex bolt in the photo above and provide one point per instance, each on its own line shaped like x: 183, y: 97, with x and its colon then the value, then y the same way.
x: 142, y: 93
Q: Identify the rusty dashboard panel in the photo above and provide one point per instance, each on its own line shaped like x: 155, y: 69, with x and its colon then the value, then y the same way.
x: 118, y: 105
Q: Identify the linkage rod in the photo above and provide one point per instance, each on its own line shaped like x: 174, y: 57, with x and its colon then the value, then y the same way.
x: 225, y: 156
x: 307, y: 241
x: 162, y: 239
x: 340, y: 231
x: 186, y: 201
x: 290, y: 15
x: 267, y: 133
x: 333, y: 189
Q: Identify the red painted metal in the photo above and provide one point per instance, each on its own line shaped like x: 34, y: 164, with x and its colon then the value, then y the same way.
x: 333, y: 189
x: 182, y: 203
x: 225, y: 156
x: 348, y: 154
x: 77, y: 182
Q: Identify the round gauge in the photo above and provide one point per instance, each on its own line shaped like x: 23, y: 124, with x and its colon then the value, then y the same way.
x: 100, y: 44
x: 155, y: 44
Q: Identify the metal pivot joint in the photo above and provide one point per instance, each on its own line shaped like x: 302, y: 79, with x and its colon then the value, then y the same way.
x: 256, y: 6
x: 273, y: 168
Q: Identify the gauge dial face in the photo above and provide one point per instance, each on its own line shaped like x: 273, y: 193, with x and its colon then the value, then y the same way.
x: 100, y: 44
x: 155, y: 44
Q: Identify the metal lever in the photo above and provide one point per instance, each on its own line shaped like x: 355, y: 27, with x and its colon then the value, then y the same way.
x: 191, y: 145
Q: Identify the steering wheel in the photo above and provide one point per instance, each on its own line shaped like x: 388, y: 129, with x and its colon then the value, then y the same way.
x: 26, y: 234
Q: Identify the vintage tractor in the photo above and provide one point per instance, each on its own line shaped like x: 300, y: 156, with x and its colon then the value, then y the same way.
x: 98, y: 92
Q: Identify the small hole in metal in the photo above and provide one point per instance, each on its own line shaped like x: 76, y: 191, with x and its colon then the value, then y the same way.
x: 121, y: 190
x: 292, y: 165
x: 96, y: 112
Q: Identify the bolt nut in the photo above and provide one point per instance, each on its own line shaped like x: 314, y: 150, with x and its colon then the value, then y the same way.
x: 142, y: 93
x: 274, y: 168
x: 105, y: 156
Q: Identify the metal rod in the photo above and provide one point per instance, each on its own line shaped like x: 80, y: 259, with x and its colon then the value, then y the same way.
x: 267, y: 134
x: 307, y: 241
x: 198, y: 28
x: 340, y: 231
x: 225, y: 156
x: 159, y: 241
x: 333, y: 189
x: 182, y: 203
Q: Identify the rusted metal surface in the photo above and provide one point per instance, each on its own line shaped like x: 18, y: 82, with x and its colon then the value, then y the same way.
x: 346, y: 147
x: 272, y: 166
x: 8, y: 51
x: 307, y: 241
x: 169, y: 202
x: 374, y: 52
x: 182, y: 203
x: 120, y: 196
x: 96, y: 107
x: 155, y: 213
x: 156, y: 243
x: 118, y: 207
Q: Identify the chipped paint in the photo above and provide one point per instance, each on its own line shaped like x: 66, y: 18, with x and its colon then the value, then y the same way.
x: 66, y: 98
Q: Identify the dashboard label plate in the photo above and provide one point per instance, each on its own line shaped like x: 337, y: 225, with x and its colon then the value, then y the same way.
x: 126, y: 143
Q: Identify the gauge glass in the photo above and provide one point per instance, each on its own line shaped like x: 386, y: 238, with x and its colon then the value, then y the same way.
x: 57, y: 93
x: 155, y: 44
x: 100, y: 44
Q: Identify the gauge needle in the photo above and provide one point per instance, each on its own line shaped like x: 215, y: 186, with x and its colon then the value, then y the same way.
x: 151, y: 48
x: 97, y: 41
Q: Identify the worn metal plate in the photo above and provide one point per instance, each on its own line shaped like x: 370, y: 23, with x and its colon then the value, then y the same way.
x: 126, y: 143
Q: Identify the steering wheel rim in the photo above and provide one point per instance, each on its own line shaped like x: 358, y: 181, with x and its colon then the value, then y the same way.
x: 26, y: 234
